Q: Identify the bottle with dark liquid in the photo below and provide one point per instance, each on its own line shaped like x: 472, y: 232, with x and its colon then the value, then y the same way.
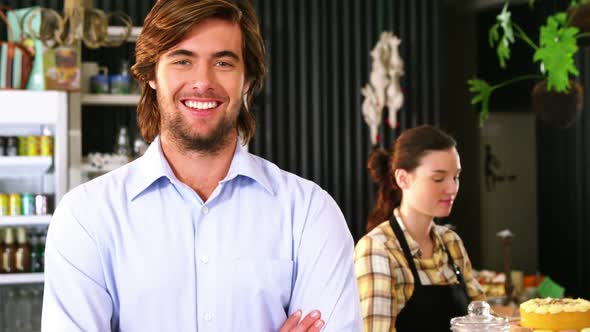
x: 22, y: 258
x: 1, y: 249
x: 40, y: 249
x: 35, y: 259
x: 8, y: 252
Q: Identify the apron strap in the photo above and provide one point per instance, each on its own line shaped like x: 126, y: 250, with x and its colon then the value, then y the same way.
x: 455, y: 268
x: 406, y: 249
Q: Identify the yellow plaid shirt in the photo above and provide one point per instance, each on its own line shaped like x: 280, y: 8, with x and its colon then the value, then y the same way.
x: 385, y: 280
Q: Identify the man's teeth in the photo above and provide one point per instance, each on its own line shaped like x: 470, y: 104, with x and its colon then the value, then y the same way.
x: 201, y: 104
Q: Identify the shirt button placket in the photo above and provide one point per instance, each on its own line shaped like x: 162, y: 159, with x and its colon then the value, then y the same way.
x: 206, y: 262
x: 208, y: 316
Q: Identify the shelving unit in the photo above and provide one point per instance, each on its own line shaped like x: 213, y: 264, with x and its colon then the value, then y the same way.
x: 24, y: 113
x: 114, y: 31
x: 21, y: 278
x: 110, y: 99
x: 88, y: 168
x: 23, y: 166
x: 79, y: 170
x: 19, y: 221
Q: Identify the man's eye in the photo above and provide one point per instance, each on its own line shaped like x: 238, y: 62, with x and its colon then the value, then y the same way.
x: 438, y: 180
x: 223, y: 64
x: 182, y: 62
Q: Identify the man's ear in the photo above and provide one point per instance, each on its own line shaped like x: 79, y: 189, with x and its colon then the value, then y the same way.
x: 402, y: 178
x: 246, y: 88
x: 152, y: 84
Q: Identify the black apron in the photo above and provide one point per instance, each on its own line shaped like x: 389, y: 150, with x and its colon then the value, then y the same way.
x: 431, y: 307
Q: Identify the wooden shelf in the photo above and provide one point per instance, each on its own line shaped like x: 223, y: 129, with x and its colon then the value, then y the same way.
x: 22, y: 166
x: 16, y: 221
x: 88, y: 168
x: 110, y: 99
x: 116, y: 31
x: 21, y: 278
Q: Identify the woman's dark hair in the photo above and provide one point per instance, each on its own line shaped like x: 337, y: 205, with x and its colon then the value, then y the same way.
x: 406, y: 154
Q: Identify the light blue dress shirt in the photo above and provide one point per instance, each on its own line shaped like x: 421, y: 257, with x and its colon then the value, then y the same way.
x: 136, y: 250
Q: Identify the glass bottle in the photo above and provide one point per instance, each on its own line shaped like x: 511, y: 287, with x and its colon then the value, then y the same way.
x: 41, y: 249
x: 24, y: 309
x: 10, y: 310
x: 1, y: 251
x: 35, y: 258
x: 23, y: 251
x: 139, y: 146
x: 36, y: 307
x: 8, y: 252
x: 123, y: 143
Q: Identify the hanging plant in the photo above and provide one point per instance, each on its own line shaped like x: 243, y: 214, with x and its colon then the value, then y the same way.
x: 558, y: 44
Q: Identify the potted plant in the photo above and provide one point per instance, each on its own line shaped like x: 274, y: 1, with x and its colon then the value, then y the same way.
x: 556, y: 98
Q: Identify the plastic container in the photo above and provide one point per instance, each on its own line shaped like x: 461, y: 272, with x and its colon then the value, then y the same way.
x: 99, y: 83
x: 121, y: 82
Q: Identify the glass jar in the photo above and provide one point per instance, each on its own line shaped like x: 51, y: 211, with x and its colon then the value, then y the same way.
x: 123, y: 143
x: 480, y: 319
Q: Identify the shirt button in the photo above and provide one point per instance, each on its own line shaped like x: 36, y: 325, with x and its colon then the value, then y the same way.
x: 205, y: 259
x: 205, y: 210
x: 208, y: 316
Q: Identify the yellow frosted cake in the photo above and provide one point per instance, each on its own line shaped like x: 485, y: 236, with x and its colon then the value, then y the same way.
x: 555, y: 314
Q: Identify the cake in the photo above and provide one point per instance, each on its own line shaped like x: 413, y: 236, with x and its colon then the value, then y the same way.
x: 492, y: 283
x: 555, y: 314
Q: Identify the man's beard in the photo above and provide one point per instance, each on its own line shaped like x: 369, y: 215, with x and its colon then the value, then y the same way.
x: 181, y: 134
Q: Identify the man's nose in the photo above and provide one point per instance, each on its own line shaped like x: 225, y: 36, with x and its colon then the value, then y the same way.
x: 202, y: 77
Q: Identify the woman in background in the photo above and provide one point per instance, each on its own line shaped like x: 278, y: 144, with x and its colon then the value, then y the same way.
x: 414, y: 275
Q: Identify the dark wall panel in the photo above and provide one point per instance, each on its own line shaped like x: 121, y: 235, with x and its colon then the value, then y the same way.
x: 309, y: 114
x: 564, y: 197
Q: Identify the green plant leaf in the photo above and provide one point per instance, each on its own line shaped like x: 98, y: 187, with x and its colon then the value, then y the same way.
x: 503, y: 52
x: 556, y: 52
x: 503, y: 44
x: 481, y: 92
x: 494, y: 35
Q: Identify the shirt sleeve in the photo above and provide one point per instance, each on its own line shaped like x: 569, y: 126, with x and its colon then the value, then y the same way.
x: 375, y: 280
x: 75, y: 296
x: 324, y: 273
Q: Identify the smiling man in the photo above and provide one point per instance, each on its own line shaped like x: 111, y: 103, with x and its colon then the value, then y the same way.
x: 198, y: 234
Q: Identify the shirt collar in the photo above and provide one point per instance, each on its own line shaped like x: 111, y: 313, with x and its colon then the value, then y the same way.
x: 153, y: 166
x: 412, y: 244
x: 149, y: 168
x: 248, y: 165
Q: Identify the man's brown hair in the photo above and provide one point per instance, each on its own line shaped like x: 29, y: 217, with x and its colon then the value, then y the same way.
x: 167, y: 24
